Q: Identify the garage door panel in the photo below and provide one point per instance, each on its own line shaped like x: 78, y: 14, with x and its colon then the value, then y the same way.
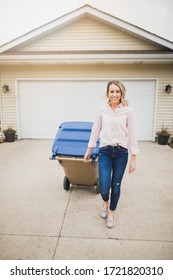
x: 43, y: 105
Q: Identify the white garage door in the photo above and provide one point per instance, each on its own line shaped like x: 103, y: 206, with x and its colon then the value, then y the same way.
x: 43, y: 105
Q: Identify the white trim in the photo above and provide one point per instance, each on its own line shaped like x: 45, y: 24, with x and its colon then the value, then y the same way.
x: 74, y: 15
x: 86, y: 79
x: 155, y: 108
x: 65, y: 19
x: 130, y: 27
x: 17, y: 108
x: 17, y: 80
x: 86, y: 58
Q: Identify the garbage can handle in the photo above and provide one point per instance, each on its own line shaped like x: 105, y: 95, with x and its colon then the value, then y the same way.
x: 74, y: 158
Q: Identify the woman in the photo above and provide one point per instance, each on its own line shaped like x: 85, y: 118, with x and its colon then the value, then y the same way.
x: 115, y: 126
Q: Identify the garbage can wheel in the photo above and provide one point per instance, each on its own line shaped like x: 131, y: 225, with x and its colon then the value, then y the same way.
x: 97, y: 186
x: 66, y: 183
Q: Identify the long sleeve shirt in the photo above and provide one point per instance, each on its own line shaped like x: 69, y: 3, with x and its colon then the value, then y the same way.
x: 115, y: 127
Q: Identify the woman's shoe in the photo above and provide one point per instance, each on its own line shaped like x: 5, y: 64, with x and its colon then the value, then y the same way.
x: 103, y: 213
x: 110, y: 222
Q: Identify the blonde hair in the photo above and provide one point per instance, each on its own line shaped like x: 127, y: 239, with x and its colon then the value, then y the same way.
x: 122, y: 90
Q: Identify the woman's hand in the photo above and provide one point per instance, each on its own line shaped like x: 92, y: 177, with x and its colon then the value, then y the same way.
x: 87, y: 155
x: 132, y: 165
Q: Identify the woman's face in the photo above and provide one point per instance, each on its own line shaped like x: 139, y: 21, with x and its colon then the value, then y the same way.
x: 114, y: 94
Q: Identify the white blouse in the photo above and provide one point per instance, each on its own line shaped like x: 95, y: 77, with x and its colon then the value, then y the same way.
x: 115, y: 127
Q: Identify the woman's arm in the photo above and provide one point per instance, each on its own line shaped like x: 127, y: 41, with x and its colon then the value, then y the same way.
x: 94, y: 136
x: 132, y: 164
x: 87, y: 154
x: 133, y: 143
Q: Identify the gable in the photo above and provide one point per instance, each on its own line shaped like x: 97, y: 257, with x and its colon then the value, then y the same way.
x: 87, y: 34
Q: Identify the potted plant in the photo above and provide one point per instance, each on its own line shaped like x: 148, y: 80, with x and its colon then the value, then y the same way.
x: 9, y: 134
x: 163, y: 135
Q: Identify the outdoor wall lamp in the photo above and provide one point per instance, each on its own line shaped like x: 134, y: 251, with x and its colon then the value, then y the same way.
x: 5, y: 88
x: 168, y: 88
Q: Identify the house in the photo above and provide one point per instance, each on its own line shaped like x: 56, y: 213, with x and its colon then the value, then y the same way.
x: 59, y: 72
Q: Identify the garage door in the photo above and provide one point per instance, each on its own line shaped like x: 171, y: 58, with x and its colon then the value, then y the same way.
x: 43, y: 105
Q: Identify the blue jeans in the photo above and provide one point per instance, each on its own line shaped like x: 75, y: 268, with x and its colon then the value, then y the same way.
x: 112, y: 164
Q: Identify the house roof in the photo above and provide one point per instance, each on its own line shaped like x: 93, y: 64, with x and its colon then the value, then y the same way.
x: 54, y: 57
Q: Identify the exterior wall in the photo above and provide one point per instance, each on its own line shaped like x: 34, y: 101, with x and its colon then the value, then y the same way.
x: 0, y: 101
x: 87, y: 34
x: 164, y: 74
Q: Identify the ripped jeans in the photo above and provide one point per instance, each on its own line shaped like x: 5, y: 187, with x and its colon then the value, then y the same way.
x: 112, y: 164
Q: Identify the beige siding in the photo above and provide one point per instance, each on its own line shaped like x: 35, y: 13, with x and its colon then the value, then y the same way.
x: 164, y: 114
x: 165, y: 102
x: 87, y: 34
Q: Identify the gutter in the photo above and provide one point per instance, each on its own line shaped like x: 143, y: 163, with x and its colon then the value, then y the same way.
x: 86, y: 58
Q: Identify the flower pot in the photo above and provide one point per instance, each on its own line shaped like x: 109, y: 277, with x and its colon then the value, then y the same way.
x: 163, y: 140
x: 10, y: 136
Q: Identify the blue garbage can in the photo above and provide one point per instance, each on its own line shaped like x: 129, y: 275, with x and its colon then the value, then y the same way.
x: 69, y: 147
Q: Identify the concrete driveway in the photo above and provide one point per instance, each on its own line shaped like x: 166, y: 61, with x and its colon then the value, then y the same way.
x: 40, y: 220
